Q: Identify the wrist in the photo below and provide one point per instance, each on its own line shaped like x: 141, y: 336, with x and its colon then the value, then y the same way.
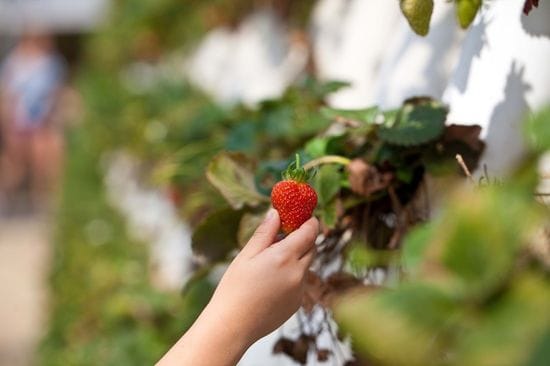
x: 213, y: 340
x: 227, y: 326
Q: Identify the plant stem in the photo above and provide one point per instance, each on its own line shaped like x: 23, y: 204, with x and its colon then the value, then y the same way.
x: 464, y: 167
x: 329, y: 159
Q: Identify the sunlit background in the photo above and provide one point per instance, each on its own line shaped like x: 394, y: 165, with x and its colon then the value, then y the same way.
x: 111, y: 110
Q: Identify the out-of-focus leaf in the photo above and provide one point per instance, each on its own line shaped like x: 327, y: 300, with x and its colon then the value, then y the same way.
x: 249, y: 223
x: 414, y: 247
x: 405, y: 326
x: 269, y: 173
x: 366, y: 115
x: 327, y: 183
x: 329, y: 87
x: 538, y: 130
x: 541, y: 352
x: 415, y: 125
x: 328, y: 214
x: 197, y: 277
x: 513, y: 327
x: 216, y: 236
x: 233, y: 175
x: 242, y: 137
x: 279, y: 121
x: 466, y: 11
x: 418, y: 14
x: 360, y: 257
x: 404, y: 174
x: 478, y: 253
x: 316, y: 147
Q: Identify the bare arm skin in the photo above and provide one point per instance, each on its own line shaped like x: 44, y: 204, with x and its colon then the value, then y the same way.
x: 260, y: 290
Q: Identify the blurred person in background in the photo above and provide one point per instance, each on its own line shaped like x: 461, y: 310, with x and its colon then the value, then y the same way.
x: 31, y: 80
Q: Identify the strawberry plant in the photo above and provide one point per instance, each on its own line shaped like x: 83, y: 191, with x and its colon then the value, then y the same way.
x: 476, y: 287
x: 466, y: 286
x: 370, y: 165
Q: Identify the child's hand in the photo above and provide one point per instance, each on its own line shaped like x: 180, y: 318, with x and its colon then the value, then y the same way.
x: 264, y: 285
x: 260, y: 290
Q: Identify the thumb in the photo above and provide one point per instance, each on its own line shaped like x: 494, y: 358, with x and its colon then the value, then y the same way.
x: 264, y: 235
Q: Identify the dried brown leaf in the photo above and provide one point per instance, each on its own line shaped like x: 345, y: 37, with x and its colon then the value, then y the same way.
x: 323, y: 354
x: 296, y: 349
x: 529, y: 5
x: 366, y: 179
x: 466, y: 134
x: 324, y: 292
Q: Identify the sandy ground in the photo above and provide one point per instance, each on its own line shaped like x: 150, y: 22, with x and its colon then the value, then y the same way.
x: 24, y: 259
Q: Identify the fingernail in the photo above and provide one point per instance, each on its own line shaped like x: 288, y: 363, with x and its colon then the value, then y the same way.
x: 269, y: 215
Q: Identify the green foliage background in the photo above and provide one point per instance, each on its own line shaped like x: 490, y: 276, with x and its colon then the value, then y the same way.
x: 104, y: 310
x: 477, y: 285
x: 473, y: 292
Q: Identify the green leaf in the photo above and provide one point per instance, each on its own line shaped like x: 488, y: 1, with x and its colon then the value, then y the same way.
x: 466, y: 11
x: 366, y: 115
x: 541, y: 353
x: 414, y: 247
x: 327, y: 183
x: 249, y: 223
x: 538, y: 130
x: 329, y: 87
x: 242, y: 137
x: 512, y: 327
x: 233, y: 176
x: 197, y: 277
x: 405, y: 326
x: 404, y: 174
x: 361, y: 257
x: 415, y: 125
x: 478, y: 239
x: 418, y: 14
x: 327, y: 214
x: 216, y: 236
x: 316, y: 147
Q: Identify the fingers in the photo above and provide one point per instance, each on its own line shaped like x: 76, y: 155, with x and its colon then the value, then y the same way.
x: 264, y: 235
x: 301, y: 241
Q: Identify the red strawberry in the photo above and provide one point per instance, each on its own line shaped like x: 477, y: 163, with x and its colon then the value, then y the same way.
x: 293, y: 198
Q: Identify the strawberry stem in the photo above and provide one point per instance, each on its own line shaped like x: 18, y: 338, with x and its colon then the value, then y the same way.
x: 328, y: 159
x: 296, y: 172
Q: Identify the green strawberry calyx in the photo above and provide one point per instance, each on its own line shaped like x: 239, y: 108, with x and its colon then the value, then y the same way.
x: 296, y: 172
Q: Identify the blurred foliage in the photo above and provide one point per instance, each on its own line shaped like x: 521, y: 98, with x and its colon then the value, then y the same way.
x: 176, y: 130
x: 472, y: 287
x: 104, y: 310
x: 477, y: 281
x: 369, y: 164
x: 147, y: 30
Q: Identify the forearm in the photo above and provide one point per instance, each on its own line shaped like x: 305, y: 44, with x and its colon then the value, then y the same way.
x: 209, y: 342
